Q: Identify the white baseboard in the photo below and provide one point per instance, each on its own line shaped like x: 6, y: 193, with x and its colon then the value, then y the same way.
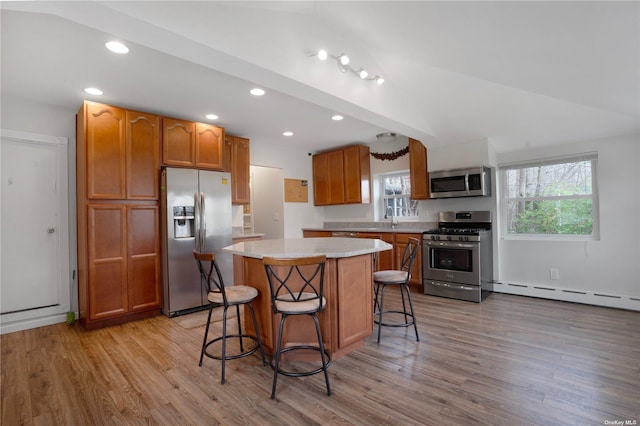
x: 29, y: 323
x: 544, y: 291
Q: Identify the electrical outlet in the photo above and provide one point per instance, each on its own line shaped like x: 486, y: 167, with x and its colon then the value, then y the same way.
x: 554, y: 273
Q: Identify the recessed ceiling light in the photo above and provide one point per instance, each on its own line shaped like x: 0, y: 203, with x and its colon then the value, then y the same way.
x: 257, y: 92
x: 211, y: 116
x: 93, y: 91
x: 117, y: 47
x: 337, y: 117
x: 287, y: 133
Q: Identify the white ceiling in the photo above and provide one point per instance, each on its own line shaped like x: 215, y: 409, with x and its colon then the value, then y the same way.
x: 519, y: 74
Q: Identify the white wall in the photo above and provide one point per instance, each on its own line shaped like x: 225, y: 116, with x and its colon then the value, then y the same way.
x: 610, y: 265
x: 267, y: 201
x: 295, y: 164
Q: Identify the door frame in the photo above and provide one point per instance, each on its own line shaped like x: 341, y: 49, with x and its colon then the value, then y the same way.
x: 56, y: 314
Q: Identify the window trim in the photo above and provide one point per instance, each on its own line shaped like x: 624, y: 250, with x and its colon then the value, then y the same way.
x: 503, y: 208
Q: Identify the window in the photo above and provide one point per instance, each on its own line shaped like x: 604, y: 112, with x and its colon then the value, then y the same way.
x: 550, y: 197
x: 396, y: 193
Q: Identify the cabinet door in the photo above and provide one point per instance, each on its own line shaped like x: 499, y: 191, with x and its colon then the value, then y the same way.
x: 328, y: 178
x: 418, y: 170
x: 316, y: 234
x: 240, y: 171
x: 178, y: 142
x: 416, y: 268
x: 107, y: 247
x: 320, y: 180
x: 226, y: 153
x: 355, y: 320
x: 356, y: 174
x: 143, y: 284
x: 143, y: 155
x: 105, y: 150
x: 209, y: 146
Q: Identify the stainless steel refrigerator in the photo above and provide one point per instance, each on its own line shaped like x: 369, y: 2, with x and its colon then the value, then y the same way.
x: 197, y: 216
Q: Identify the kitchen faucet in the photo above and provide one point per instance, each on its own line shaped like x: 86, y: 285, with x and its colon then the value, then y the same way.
x: 386, y: 215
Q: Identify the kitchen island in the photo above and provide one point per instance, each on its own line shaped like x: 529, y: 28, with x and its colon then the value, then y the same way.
x: 348, y: 288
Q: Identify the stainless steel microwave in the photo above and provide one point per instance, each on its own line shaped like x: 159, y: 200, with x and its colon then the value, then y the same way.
x: 468, y: 182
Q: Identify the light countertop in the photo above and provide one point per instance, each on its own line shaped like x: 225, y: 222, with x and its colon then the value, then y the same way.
x: 304, y: 247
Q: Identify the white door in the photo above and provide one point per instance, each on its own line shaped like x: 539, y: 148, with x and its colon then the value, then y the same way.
x: 34, y: 282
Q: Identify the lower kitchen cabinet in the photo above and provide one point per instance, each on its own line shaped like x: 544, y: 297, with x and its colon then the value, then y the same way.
x: 388, y: 259
x: 122, y: 276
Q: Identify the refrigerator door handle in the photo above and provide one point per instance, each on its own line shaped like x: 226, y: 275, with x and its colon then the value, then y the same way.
x: 196, y: 203
x: 203, y: 223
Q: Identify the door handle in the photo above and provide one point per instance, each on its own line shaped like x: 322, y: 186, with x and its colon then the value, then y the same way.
x: 51, y: 230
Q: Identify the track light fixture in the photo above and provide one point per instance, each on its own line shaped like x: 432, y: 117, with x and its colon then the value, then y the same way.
x: 343, y: 65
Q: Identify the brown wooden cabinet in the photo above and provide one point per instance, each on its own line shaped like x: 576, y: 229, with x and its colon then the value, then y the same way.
x: 384, y: 258
x: 190, y: 144
x: 117, y: 184
x: 240, y: 171
x: 342, y: 176
x: 328, y: 178
x: 316, y: 234
x: 357, y: 175
x: 387, y: 259
x: 209, y: 146
x: 418, y: 170
x: 178, y: 143
x: 105, y: 151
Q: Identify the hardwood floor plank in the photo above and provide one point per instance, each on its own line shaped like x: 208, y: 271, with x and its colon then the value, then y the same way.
x: 510, y: 360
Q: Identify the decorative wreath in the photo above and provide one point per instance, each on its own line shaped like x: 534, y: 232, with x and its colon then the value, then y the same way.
x: 390, y: 155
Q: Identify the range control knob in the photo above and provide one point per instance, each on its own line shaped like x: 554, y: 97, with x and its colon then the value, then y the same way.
x: 448, y: 237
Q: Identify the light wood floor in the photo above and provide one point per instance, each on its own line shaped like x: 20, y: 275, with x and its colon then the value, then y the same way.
x: 508, y: 361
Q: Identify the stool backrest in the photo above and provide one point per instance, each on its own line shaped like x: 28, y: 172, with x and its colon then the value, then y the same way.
x: 295, y: 279
x: 210, y: 275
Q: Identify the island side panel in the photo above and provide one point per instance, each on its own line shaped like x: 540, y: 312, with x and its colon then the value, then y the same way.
x: 345, y: 322
x: 355, y: 301
x: 254, y: 275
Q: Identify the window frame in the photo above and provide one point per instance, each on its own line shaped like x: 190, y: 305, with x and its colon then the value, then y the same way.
x: 384, y: 196
x: 504, y: 199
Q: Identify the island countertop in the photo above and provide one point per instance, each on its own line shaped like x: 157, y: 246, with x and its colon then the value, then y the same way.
x: 304, y: 247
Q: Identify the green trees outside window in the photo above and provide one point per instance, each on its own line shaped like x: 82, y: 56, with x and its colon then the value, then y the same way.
x: 550, y: 198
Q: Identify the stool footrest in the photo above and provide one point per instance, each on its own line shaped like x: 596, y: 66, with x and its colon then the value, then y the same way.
x: 395, y: 324
x: 234, y: 356
x: 301, y: 373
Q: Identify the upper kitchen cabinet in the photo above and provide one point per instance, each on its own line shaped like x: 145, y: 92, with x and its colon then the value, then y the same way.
x: 418, y: 170
x: 178, y: 143
x: 328, y: 178
x: 240, y: 170
x: 357, y: 175
x: 342, y: 176
x: 143, y: 155
x: 209, y: 146
x: 190, y: 144
x: 119, y: 156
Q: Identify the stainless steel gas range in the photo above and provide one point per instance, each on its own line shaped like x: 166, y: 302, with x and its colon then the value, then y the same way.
x: 457, y: 258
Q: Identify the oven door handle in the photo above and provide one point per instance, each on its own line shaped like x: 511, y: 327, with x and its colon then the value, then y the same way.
x: 449, y: 244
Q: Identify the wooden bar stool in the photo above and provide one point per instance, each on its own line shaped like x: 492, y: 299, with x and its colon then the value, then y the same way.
x: 396, y: 278
x: 219, y: 295
x: 297, y: 289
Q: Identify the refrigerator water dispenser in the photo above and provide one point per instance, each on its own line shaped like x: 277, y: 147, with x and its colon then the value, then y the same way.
x: 183, y: 222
